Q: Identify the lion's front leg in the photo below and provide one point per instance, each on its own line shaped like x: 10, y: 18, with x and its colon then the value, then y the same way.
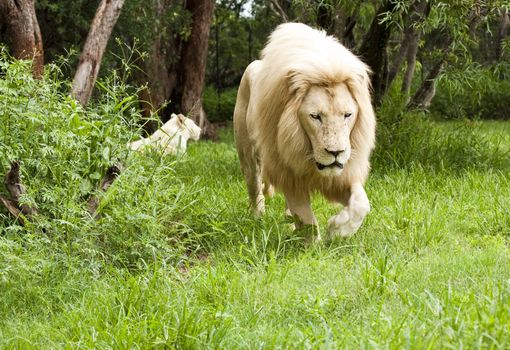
x: 300, y: 208
x: 350, y: 218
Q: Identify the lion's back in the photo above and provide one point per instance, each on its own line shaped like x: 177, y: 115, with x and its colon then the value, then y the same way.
x: 243, y: 123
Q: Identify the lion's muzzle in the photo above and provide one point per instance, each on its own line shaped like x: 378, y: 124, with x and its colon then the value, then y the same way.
x: 321, y: 166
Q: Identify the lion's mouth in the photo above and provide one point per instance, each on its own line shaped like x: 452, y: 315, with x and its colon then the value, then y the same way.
x: 321, y: 166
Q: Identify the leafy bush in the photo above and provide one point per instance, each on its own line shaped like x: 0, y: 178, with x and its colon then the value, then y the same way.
x: 219, y: 106
x: 474, y: 93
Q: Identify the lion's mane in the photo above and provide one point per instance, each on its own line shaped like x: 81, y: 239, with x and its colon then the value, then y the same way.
x: 295, y: 58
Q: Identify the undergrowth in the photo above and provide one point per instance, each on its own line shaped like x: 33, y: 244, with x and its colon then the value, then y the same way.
x: 64, y: 151
x: 411, y: 138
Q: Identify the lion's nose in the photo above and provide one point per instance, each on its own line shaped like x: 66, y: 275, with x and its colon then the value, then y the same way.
x: 334, y: 153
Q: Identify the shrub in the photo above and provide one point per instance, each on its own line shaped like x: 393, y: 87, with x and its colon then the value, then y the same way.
x: 476, y: 93
x: 64, y: 152
x: 407, y: 139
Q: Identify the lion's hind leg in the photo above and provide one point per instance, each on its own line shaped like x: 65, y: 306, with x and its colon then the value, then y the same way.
x: 252, y: 175
x: 268, y: 188
x: 248, y: 157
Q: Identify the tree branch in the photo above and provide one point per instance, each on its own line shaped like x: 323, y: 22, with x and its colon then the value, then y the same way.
x: 277, y: 8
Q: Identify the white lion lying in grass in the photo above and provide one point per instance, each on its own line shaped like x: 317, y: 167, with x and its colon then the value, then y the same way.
x: 172, y: 137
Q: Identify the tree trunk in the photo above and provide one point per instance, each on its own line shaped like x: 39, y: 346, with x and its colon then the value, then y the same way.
x: 16, y: 190
x: 348, y: 34
x: 193, y: 63
x: 398, y: 59
x: 335, y: 22
x: 412, y: 50
x: 156, y: 73
x: 423, y: 97
x: 325, y: 17
x: 477, y: 14
x: 24, y: 32
x: 158, y: 81
x: 504, y: 27
x: 373, y: 50
x: 175, y: 69
x: 279, y: 10
x: 90, y: 60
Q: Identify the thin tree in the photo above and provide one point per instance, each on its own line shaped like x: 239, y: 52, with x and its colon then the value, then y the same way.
x: 424, y: 95
x: 409, y: 45
x: 460, y: 25
x: 412, y: 36
x: 90, y: 60
x: 23, y: 31
x: 279, y: 9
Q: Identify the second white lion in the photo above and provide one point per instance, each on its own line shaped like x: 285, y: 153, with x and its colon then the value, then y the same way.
x: 172, y: 137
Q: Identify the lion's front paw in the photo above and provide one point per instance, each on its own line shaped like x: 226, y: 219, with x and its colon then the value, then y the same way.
x: 348, y: 221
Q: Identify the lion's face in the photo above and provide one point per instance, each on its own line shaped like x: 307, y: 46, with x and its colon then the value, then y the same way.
x: 184, y: 125
x: 328, y: 114
x: 192, y: 129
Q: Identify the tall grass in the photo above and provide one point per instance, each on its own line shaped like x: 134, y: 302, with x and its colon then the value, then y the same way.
x: 176, y: 261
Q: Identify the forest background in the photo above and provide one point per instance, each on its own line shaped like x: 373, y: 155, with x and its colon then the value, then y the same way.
x: 173, y: 53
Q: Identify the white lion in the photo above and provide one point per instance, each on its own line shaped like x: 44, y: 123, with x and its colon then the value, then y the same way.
x: 172, y: 137
x: 304, y: 122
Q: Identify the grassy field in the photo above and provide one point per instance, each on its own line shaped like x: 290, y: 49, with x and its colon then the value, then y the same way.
x: 176, y: 261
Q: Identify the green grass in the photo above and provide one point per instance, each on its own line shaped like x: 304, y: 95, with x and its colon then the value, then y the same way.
x: 498, y: 132
x: 176, y: 261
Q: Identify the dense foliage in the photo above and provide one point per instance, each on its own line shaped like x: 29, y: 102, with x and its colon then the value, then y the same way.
x: 479, y: 93
x: 468, y: 35
x: 219, y: 105
x: 472, y: 82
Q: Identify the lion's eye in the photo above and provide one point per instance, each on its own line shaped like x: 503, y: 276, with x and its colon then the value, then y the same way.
x: 347, y: 115
x: 316, y: 116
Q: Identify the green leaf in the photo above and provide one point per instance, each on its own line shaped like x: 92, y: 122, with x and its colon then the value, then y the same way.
x: 106, y: 153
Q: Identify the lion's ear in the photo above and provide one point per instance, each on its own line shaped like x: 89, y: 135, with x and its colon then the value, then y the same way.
x: 181, y: 119
x: 296, y: 83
